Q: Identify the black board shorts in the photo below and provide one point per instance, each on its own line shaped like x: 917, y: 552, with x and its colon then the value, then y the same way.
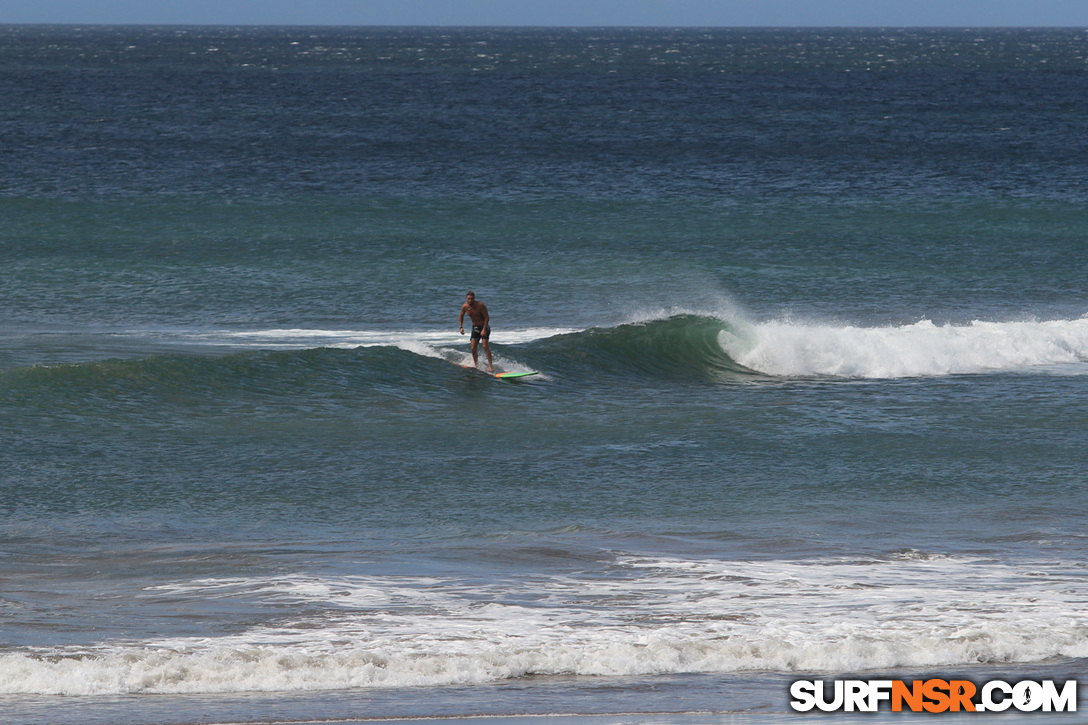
x: 477, y: 334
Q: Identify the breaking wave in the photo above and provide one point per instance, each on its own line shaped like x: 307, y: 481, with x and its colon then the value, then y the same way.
x: 651, y: 615
x: 922, y: 349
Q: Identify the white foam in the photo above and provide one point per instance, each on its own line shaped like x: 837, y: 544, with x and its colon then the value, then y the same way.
x: 295, y: 338
x: 462, y: 357
x: 641, y: 616
x: 920, y: 349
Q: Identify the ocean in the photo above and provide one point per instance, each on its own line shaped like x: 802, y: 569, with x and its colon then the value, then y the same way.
x: 808, y: 309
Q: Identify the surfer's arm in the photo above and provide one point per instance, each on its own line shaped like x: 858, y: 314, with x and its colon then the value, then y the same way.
x: 461, y: 320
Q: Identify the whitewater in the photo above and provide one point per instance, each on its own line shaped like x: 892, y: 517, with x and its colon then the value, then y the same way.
x: 921, y: 349
x: 907, y: 610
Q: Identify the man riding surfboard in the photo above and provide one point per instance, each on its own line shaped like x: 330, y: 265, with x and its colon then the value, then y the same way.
x: 481, y: 328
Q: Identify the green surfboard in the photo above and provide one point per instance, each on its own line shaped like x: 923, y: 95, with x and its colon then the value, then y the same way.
x: 510, y: 376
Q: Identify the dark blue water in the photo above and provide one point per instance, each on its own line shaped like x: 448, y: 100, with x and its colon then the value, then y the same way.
x: 807, y: 309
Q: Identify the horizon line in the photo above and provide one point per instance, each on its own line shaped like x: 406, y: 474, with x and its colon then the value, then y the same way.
x: 471, y: 26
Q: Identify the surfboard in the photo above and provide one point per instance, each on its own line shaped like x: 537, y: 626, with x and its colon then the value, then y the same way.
x: 514, y: 375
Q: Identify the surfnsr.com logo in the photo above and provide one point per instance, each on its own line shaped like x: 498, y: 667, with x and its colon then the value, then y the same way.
x: 933, y: 696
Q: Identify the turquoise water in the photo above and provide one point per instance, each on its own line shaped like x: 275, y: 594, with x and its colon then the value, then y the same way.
x: 808, y: 310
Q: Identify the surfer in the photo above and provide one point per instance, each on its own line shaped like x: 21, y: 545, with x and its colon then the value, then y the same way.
x: 481, y: 327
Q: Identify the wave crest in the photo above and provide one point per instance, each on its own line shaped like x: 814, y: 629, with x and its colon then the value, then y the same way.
x: 681, y: 347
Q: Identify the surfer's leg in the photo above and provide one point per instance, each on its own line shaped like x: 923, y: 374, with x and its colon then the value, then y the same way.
x: 476, y: 355
x: 487, y: 349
